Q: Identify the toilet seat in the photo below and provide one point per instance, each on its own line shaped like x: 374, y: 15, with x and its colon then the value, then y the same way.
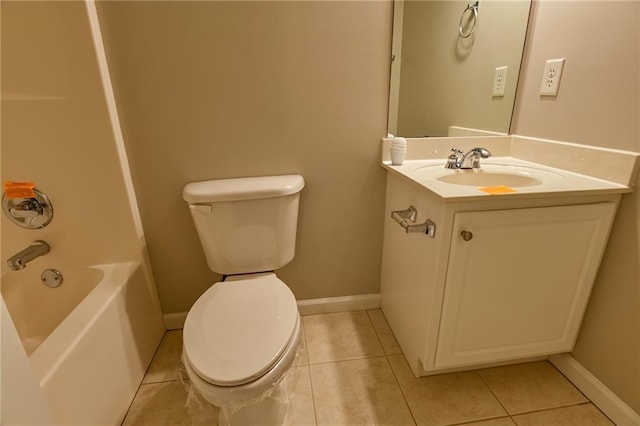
x: 238, y: 329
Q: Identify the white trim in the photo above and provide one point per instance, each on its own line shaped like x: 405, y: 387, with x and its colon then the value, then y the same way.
x: 610, y: 404
x: 175, y: 320
x: 339, y: 304
x: 110, y: 99
x: 112, y: 108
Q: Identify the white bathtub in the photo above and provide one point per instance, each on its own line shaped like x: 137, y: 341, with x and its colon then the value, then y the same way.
x: 36, y: 309
x: 92, y: 363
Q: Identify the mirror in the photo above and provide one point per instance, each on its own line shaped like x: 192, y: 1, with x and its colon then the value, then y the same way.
x: 443, y: 72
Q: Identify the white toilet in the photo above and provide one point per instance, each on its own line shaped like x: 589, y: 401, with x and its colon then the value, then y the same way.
x: 241, y: 336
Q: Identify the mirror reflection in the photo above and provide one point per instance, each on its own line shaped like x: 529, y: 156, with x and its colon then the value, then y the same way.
x: 448, y: 75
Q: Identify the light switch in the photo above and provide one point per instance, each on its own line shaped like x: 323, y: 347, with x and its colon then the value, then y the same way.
x: 551, y: 77
x: 499, y: 81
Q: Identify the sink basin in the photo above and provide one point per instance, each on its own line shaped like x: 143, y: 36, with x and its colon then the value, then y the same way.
x: 482, y: 178
x: 511, y: 175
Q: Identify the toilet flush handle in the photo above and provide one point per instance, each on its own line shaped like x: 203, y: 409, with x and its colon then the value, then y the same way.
x: 202, y: 208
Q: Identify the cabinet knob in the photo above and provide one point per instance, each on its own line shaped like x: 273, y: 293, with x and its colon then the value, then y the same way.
x: 466, y: 235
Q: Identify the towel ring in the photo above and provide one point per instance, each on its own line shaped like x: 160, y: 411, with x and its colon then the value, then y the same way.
x: 473, y: 7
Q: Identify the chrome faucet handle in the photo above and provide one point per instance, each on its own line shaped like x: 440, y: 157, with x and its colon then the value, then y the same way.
x: 479, y: 153
x: 453, y: 160
x: 28, y: 212
x: 27, y: 208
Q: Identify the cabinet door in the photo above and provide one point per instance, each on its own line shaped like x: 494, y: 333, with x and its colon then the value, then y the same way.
x: 518, y: 284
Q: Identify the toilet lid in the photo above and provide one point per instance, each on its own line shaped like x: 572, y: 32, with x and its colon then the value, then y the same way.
x: 237, y: 330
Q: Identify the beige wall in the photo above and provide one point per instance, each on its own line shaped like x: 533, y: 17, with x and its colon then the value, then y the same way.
x: 598, y: 104
x: 447, y: 80
x: 210, y: 90
x: 56, y: 132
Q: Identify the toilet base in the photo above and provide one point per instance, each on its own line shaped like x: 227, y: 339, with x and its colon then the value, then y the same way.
x: 269, y: 411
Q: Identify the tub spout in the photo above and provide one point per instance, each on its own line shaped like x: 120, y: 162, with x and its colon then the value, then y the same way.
x: 36, y: 249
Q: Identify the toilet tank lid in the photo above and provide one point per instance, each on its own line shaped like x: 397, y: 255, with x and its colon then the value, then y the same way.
x: 248, y: 188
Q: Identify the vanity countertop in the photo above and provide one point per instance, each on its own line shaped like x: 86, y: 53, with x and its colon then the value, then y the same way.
x: 575, y: 169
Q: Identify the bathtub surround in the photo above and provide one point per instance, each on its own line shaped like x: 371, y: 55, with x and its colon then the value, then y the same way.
x: 57, y: 132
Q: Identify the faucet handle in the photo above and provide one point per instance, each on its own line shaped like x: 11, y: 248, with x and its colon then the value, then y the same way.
x: 482, y: 152
x: 28, y: 212
x: 479, y: 153
x: 27, y: 208
x: 453, y: 158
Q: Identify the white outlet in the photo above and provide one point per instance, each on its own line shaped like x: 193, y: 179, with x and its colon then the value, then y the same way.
x: 499, y: 81
x: 551, y: 77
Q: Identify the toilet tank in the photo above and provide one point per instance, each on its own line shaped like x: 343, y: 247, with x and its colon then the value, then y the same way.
x: 246, y: 224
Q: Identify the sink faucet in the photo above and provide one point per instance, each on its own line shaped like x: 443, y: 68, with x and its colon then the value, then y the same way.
x: 468, y: 160
x: 36, y: 249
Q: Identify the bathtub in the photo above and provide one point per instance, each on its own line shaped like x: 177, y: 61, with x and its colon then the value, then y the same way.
x: 93, y: 360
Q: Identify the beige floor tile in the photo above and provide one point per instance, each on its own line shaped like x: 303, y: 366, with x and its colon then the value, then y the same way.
x: 388, y: 340
x: 340, y: 336
x: 165, y: 403
x: 502, y: 421
x: 447, y: 398
x: 577, y: 415
x: 166, y: 364
x: 301, y: 411
x: 532, y: 386
x: 358, y: 392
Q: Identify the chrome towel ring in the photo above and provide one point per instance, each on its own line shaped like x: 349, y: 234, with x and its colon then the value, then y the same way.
x: 473, y: 7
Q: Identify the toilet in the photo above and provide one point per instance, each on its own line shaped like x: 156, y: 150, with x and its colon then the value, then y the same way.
x: 241, y: 336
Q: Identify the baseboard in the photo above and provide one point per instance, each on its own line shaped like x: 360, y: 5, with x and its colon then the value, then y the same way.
x: 608, y: 402
x: 339, y: 304
x: 175, y: 320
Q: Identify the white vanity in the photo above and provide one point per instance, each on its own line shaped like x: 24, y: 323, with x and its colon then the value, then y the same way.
x: 503, y: 267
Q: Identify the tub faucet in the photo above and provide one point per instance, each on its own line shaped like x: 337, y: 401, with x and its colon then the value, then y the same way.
x: 468, y: 160
x: 36, y: 249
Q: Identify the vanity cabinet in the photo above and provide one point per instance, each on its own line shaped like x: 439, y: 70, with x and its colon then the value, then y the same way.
x: 501, y: 281
x: 518, y: 281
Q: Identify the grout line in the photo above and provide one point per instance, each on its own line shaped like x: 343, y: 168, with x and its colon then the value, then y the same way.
x: 386, y: 356
x: 178, y: 379
x: 308, y: 366
x: 131, y: 404
x: 540, y: 410
x: 480, y: 421
x: 404, y: 396
x: 143, y: 377
x: 492, y: 392
x: 569, y: 381
x: 384, y: 351
x: 349, y: 359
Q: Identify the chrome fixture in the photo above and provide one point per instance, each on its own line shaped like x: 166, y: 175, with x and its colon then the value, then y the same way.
x: 407, y: 219
x: 32, y: 213
x: 468, y: 160
x: 36, y: 249
x: 473, y: 19
x: 52, y: 278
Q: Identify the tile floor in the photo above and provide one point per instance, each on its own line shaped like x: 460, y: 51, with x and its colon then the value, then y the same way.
x: 353, y: 373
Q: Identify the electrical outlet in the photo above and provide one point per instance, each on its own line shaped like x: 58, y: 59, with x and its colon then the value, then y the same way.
x: 551, y: 77
x: 499, y: 81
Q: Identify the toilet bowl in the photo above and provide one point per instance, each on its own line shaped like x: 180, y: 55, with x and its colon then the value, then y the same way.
x: 242, y: 335
x: 240, y: 339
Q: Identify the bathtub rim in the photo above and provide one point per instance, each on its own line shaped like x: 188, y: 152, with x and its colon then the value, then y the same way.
x: 61, y: 342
